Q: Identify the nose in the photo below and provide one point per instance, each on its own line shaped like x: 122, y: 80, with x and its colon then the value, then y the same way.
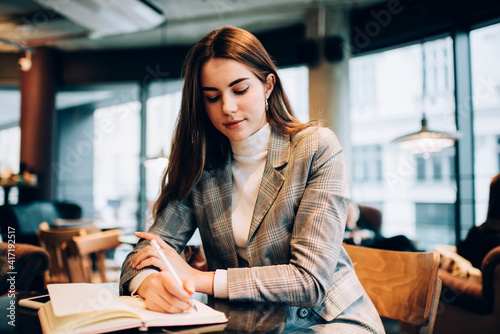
x: 229, y: 105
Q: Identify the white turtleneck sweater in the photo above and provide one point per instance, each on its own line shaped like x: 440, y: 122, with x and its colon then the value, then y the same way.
x: 248, y: 167
x: 249, y: 160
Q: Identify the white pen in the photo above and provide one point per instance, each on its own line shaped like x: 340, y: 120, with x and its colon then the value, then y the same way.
x: 162, y: 256
x: 166, y: 262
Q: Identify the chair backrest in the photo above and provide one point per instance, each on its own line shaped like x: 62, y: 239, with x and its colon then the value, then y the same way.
x: 402, y: 285
x: 68, y: 210
x: 77, y: 253
x: 26, y: 218
x: 53, y: 240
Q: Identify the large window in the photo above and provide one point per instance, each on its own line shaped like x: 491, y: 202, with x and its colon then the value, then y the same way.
x: 116, y: 163
x: 436, y: 222
x: 367, y: 163
x: 388, y: 100
x: 10, y: 138
x: 163, y: 107
x: 485, y: 53
x: 295, y: 82
x: 10, y: 146
x: 98, y: 145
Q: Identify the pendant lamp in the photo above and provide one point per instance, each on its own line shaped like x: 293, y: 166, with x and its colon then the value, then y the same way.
x: 426, y: 140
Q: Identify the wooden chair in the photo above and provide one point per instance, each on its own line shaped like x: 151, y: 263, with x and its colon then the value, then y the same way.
x: 402, y: 285
x: 77, y: 256
x: 52, y: 240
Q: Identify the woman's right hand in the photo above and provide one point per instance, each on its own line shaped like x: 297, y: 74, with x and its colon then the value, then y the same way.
x: 162, y: 293
x: 158, y: 288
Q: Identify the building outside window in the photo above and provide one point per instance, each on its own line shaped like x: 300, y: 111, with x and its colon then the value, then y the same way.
x: 295, y: 82
x: 163, y: 107
x: 485, y: 53
x: 439, y: 167
x: 10, y: 146
x: 395, y: 107
x: 10, y: 138
x: 116, y: 164
x: 435, y: 220
x: 368, y: 163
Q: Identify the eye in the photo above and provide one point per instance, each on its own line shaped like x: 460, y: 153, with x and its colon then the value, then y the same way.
x: 213, y: 99
x: 241, y: 92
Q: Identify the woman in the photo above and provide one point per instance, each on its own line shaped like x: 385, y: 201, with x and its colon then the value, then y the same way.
x: 268, y: 193
x: 482, y: 239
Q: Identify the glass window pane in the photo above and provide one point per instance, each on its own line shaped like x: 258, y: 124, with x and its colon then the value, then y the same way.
x: 295, y: 81
x: 435, y: 221
x: 116, y: 163
x: 10, y: 139
x: 163, y: 107
x: 10, y: 146
x: 485, y: 53
x: 387, y: 100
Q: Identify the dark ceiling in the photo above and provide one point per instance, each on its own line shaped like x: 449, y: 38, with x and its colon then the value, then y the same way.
x: 28, y: 23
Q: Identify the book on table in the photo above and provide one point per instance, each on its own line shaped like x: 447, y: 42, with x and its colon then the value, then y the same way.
x: 93, y: 308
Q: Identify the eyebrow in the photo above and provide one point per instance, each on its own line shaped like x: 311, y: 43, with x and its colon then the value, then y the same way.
x: 230, y: 85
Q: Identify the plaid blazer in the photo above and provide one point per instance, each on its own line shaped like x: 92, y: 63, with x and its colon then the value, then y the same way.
x: 295, y: 253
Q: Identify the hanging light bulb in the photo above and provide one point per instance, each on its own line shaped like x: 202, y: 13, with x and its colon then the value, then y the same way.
x: 25, y: 62
x: 426, y: 141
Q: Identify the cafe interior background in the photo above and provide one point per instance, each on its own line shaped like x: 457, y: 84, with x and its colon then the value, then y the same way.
x: 90, y: 91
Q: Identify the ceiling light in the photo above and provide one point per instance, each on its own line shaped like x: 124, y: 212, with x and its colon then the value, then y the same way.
x: 25, y: 62
x: 426, y: 141
x: 109, y: 17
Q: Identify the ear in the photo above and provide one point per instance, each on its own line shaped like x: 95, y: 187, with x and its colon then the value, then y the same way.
x: 269, y: 85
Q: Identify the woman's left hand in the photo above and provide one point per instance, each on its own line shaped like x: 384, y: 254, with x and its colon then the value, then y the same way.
x: 148, y: 256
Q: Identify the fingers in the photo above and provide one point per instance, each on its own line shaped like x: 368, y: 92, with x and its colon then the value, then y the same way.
x: 151, y: 261
x: 176, y: 290
x: 145, y: 253
x: 163, y: 294
x: 148, y: 256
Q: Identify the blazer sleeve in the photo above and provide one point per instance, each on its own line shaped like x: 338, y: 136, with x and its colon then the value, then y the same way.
x: 175, y: 225
x: 319, y: 185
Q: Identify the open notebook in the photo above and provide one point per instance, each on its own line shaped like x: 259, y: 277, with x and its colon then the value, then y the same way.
x: 92, y: 308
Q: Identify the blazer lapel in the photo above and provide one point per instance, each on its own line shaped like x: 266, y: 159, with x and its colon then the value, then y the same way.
x: 272, y: 179
x: 217, y: 191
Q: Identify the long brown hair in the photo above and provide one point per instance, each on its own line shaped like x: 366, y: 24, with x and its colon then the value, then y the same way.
x: 197, y: 144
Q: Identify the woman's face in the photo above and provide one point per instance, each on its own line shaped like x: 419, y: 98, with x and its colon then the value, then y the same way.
x: 234, y: 97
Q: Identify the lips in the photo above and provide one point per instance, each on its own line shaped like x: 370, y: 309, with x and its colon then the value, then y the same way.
x: 233, y: 124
